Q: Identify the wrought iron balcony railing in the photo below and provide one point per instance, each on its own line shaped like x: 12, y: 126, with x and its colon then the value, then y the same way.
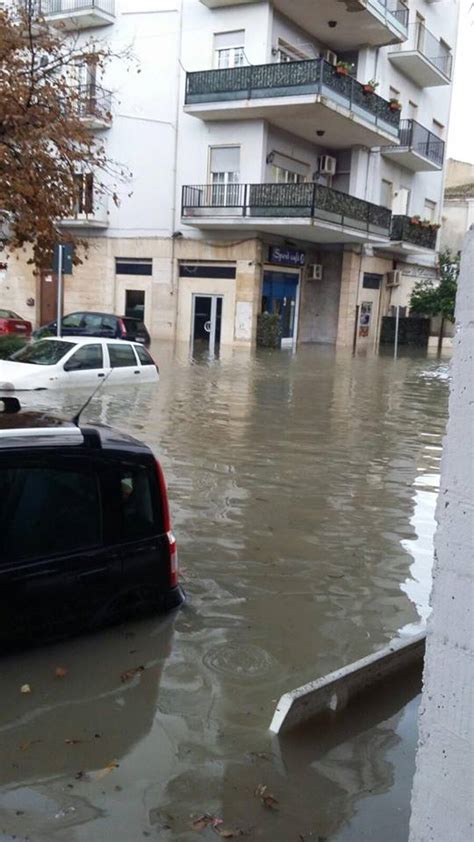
x: 306, y: 199
x: 411, y: 230
x: 314, y: 76
x: 56, y: 7
x: 414, y: 136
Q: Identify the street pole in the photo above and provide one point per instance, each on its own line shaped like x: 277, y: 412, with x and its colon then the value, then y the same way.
x: 397, y: 328
x: 60, y: 291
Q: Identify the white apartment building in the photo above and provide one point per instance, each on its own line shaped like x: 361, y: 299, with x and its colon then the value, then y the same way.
x: 267, y: 174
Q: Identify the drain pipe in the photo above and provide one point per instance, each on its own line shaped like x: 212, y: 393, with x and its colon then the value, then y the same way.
x: 175, y: 164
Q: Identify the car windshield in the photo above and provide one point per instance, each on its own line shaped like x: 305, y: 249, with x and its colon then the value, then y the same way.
x: 44, y: 352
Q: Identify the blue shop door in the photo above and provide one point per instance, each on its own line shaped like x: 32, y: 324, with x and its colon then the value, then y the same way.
x: 279, y: 296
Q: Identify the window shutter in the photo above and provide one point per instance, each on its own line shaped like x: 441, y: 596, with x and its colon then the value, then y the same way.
x: 89, y: 193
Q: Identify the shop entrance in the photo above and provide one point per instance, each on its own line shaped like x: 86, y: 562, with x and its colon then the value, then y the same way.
x: 279, y: 296
x: 207, y: 320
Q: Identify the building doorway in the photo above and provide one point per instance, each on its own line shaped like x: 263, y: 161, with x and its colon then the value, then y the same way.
x: 280, y: 296
x: 48, y: 297
x: 135, y: 304
x: 207, y: 322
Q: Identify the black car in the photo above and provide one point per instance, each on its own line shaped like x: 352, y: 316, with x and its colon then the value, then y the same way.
x: 85, y: 531
x: 98, y: 324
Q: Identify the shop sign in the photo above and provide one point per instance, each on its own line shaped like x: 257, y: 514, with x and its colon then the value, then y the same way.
x: 286, y: 257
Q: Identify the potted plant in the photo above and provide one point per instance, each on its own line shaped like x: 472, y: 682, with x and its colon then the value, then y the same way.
x: 370, y: 86
x: 395, y: 104
x: 435, y: 226
x: 343, y: 68
x: 425, y: 223
x: 415, y: 220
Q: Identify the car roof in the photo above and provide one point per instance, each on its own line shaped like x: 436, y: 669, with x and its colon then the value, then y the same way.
x: 87, y: 340
x: 22, y: 429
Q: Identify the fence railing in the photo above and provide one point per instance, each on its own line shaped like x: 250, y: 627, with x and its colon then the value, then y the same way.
x: 421, y: 140
x: 305, y: 199
x: 94, y: 101
x: 415, y: 232
x: 289, y: 79
x: 54, y: 7
x: 393, y: 9
x: 434, y: 50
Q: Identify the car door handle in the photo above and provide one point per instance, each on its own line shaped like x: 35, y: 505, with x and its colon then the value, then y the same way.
x: 136, y: 371
x: 101, y: 375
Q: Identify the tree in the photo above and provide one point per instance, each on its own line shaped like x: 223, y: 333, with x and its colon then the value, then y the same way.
x: 47, y: 154
x: 430, y: 299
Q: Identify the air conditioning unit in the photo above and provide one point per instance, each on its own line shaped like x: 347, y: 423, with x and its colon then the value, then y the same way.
x: 327, y: 165
x: 394, y: 278
x: 315, y: 272
x: 330, y: 57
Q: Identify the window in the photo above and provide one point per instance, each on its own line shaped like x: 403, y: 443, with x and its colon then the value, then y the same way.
x: 412, y: 110
x: 109, y: 324
x: 401, y: 201
x: 133, y: 266
x: 202, y: 270
x: 86, y: 358
x: 43, y: 352
x: 138, y: 519
x: 386, y: 194
x: 430, y: 210
x: 229, y: 49
x: 92, y: 322
x: 144, y: 356
x: 437, y: 128
x: 74, y: 320
x: 393, y: 93
x: 61, y: 509
x: 135, y: 303
x: 286, y: 170
x: 225, y: 174
x: 371, y: 281
x: 286, y: 53
x: 84, y: 190
x: 121, y: 355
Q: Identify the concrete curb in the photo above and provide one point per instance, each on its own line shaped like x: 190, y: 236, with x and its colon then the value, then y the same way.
x: 333, y: 691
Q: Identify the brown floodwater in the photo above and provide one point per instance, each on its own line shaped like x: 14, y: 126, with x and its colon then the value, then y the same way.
x: 303, y: 489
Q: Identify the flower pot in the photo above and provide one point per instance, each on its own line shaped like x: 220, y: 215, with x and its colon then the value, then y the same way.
x: 342, y: 71
x: 368, y: 89
x: 395, y: 107
x: 414, y: 221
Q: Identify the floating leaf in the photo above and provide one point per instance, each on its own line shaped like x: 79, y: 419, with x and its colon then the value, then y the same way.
x: 60, y: 672
x: 266, y: 797
x: 129, y: 674
x: 27, y: 745
x: 114, y: 764
x: 25, y: 688
x: 73, y: 742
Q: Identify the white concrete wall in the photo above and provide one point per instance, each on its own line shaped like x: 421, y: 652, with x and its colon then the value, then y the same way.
x: 443, y: 792
x: 458, y: 216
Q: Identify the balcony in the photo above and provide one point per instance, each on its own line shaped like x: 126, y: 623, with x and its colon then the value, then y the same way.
x: 95, y: 107
x: 79, y: 14
x: 411, y: 237
x: 426, y: 60
x: 420, y: 150
x: 90, y: 208
x: 360, y: 23
x: 300, y: 97
x: 307, y: 211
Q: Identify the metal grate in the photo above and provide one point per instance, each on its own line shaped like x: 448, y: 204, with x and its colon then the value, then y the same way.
x: 419, y: 235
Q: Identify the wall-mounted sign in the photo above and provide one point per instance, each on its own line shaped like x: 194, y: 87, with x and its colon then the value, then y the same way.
x: 286, y: 257
x: 365, y: 315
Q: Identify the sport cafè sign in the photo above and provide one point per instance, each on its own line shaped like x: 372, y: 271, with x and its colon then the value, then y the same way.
x: 286, y: 257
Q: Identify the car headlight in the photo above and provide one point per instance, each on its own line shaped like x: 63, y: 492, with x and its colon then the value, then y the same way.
x: 7, y: 387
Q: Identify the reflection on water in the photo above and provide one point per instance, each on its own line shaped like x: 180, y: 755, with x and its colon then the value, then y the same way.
x: 302, y: 489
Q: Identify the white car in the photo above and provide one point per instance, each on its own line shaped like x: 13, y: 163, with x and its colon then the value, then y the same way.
x: 55, y: 363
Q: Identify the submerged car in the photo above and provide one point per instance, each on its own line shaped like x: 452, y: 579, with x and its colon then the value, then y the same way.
x: 54, y: 363
x: 85, y: 528
x: 106, y: 325
x: 11, y: 324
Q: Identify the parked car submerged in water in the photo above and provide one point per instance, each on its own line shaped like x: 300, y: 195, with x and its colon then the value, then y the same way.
x: 106, y: 325
x: 54, y: 363
x: 11, y: 324
x: 85, y: 529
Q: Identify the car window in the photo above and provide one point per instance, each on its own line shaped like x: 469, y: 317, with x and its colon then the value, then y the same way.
x: 138, y: 519
x: 143, y: 355
x: 43, y: 352
x: 109, y: 323
x: 121, y: 354
x: 29, y: 498
x: 9, y: 314
x: 74, y: 320
x: 92, y: 321
x: 86, y: 357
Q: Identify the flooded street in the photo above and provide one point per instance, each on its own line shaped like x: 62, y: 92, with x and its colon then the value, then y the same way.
x: 303, y: 490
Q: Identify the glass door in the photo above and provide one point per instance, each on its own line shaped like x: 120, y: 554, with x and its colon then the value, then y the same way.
x: 279, y: 296
x: 207, y: 323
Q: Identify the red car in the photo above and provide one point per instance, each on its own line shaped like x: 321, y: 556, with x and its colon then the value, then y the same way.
x: 11, y: 323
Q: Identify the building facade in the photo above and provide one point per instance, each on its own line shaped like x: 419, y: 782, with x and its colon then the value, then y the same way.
x: 287, y: 157
x: 458, y: 210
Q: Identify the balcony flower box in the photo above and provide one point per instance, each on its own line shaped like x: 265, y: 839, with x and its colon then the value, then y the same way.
x: 415, y: 220
x: 343, y: 69
x: 395, y: 105
x: 370, y: 86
